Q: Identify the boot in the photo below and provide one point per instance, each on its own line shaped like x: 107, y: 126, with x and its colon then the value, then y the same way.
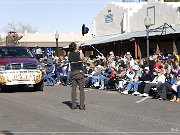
x: 174, y: 99
x: 74, y: 106
x: 178, y: 100
x: 82, y: 107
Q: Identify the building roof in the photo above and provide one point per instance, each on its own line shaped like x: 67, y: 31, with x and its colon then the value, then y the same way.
x: 48, y: 40
x: 96, y: 40
x: 45, y: 44
x: 63, y: 37
x: 129, y: 35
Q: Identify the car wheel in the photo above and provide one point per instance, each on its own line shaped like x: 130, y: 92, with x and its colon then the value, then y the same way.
x: 3, y: 89
x: 39, y: 86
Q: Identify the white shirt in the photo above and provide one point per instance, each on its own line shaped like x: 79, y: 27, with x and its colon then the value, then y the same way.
x: 160, y: 78
x: 38, y: 51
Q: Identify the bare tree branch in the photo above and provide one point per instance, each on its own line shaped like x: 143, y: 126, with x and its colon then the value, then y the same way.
x: 10, y: 27
x: 26, y: 27
x: 19, y: 28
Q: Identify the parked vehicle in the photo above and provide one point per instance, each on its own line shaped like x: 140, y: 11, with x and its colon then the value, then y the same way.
x: 18, y: 66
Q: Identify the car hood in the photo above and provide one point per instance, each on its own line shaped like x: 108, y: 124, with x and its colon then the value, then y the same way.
x: 4, y: 61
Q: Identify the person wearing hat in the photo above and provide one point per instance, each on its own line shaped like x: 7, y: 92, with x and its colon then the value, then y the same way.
x: 128, y: 57
x: 77, y: 75
x: 38, y: 53
x: 145, y: 78
x: 98, y: 70
x: 111, y: 59
x: 12, y: 38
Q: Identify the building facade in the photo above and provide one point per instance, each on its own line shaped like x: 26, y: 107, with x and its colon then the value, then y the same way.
x: 120, y: 27
x: 121, y: 17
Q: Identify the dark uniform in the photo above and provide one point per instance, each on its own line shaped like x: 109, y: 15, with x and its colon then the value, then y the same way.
x: 77, y: 76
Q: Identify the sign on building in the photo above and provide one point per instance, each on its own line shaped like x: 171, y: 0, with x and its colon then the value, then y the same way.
x: 109, y: 18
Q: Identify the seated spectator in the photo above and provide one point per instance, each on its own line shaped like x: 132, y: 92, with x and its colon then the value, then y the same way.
x: 157, y: 81
x: 145, y: 78
x: 58, y: 71
x: 104, y: 78
x: 177, y: 94
x: 96, y: 75
x: 65, y: 74
x: 113, y: 81
x: 88, y: 79
x: 121, y: 76
x: 49, y: 70
x: 176, y: 89
x: 134, y: 80
x: 166, y: 87
x: 158, y: 62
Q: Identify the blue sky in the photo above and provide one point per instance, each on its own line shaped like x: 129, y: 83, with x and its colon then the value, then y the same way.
x: 49, y: 16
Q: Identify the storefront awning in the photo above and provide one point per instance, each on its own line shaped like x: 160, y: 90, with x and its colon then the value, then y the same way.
x: 130, y: 35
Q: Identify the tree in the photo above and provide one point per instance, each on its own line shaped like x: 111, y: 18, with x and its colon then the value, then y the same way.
x: 10, y: 27
x: 26, y: 27
x: 19, y: 28
x: 2, y: 40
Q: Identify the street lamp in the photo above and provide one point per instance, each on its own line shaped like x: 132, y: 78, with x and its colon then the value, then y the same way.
x: 56, y: 37
x: 147, y: 23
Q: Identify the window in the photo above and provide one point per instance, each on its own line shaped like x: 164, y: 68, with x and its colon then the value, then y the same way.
x: 15, y: 52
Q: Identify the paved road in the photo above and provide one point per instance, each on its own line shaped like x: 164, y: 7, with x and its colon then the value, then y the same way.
x: 107, y: 112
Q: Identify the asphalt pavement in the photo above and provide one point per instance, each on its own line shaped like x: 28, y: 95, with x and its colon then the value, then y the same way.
x: 23, y: 111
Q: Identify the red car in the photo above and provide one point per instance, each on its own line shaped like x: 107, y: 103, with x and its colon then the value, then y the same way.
x: 18, y: 66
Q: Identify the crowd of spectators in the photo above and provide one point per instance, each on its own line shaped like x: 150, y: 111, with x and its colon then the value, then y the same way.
x: 157, y: 76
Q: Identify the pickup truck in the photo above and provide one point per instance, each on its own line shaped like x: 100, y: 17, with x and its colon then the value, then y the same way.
x: 18, y: 66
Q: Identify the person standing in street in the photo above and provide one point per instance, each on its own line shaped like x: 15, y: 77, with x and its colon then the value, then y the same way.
x: 77, y: 75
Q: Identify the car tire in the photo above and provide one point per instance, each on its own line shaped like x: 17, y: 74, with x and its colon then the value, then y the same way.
x: 39, y: 86
x: 3, y: 89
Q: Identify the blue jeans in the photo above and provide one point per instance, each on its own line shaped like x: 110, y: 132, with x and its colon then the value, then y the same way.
x: 133, y: 85
x: 58, y: 77
x: 49, y: 79
x: 87, y: 81
x: 103, y: 80
x: 95, y: 79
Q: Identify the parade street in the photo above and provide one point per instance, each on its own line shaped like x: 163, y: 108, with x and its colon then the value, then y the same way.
x: 24, y: 112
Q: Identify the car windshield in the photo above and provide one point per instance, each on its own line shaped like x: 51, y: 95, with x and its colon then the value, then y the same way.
x: 15, y: 52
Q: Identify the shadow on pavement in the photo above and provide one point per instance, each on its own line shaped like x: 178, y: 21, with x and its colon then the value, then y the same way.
x: 18, y: 88
x: 68, y: 103
x: 6, y: 133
